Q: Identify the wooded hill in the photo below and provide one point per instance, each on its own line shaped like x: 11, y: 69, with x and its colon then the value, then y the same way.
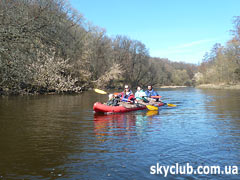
x: 47, y: 46
x: 222, y: 63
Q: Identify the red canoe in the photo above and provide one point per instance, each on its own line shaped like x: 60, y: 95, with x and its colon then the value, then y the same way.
x: 102, y: 108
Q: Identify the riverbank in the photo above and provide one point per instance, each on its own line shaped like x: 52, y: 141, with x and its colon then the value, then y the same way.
x: 172, y: 87
x: 219, y: 86
x: 24, y: 92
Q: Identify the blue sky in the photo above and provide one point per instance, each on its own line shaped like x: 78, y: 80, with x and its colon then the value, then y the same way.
x: 180, y: 30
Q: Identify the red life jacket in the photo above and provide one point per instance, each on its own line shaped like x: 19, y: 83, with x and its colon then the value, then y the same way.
x: 125, y: 97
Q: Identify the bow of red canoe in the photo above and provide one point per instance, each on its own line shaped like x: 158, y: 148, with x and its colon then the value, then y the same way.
x: 123, y: 107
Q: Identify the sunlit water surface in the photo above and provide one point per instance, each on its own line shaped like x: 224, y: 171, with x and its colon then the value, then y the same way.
x: 60, y: 137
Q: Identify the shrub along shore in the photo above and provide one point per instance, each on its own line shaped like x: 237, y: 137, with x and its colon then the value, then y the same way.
x: 48, y: 47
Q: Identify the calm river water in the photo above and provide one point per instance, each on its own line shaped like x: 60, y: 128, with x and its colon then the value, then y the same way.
x: 60, y: 137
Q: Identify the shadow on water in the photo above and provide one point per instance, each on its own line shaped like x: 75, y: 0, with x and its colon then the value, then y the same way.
x: 38, y: 132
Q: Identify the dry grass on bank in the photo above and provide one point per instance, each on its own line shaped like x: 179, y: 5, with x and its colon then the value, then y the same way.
x: 173, y: 86
x: 219, y: 86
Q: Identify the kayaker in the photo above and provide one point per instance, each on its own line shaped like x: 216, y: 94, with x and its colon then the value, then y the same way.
x: 140, y: 95
x: 127, y: 95
x: 150, y: 92
x: 112, y: 101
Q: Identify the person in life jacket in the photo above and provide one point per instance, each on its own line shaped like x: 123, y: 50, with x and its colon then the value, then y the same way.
x: 150, y: 92
x: 140, y: 95
x: 127, y: 95
x: 112, y: 101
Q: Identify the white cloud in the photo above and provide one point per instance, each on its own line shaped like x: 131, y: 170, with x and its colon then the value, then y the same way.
x: 194, y: 43
x: 187, y: 52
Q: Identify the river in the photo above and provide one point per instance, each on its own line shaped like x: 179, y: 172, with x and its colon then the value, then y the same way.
x: 60, y: 137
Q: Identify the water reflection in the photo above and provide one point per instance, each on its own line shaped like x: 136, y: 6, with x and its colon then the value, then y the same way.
x: 51, y: 137
x: 224, y: 114
x: 224, y: 103
x: 121, y: 124
x: 37, y: 133
x: 152, y: 113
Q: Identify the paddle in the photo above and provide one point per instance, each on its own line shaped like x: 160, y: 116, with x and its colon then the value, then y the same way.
x: 99, y: 91
x: 151, y: 113
x: 156, y: 97
x: 154, y: 108
x: 171, y: 105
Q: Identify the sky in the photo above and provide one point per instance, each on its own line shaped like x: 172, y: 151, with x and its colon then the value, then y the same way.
x: 180, y: 30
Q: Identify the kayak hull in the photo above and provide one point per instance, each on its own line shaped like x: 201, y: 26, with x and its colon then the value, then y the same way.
x: 102, y: 108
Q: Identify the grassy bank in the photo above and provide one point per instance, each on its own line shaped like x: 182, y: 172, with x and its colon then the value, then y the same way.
x: 219, y: 86
x: 173, y: 87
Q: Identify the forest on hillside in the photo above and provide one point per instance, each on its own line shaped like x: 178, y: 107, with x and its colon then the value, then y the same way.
x: 47, y: 46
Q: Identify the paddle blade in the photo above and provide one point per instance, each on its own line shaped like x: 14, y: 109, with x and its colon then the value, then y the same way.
x: 152, y: 108
x: 151, y: 113
x: 172, y: 105
x: 100, y: 91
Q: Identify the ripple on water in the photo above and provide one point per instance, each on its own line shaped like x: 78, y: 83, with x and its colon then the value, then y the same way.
x: 50, y: 137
